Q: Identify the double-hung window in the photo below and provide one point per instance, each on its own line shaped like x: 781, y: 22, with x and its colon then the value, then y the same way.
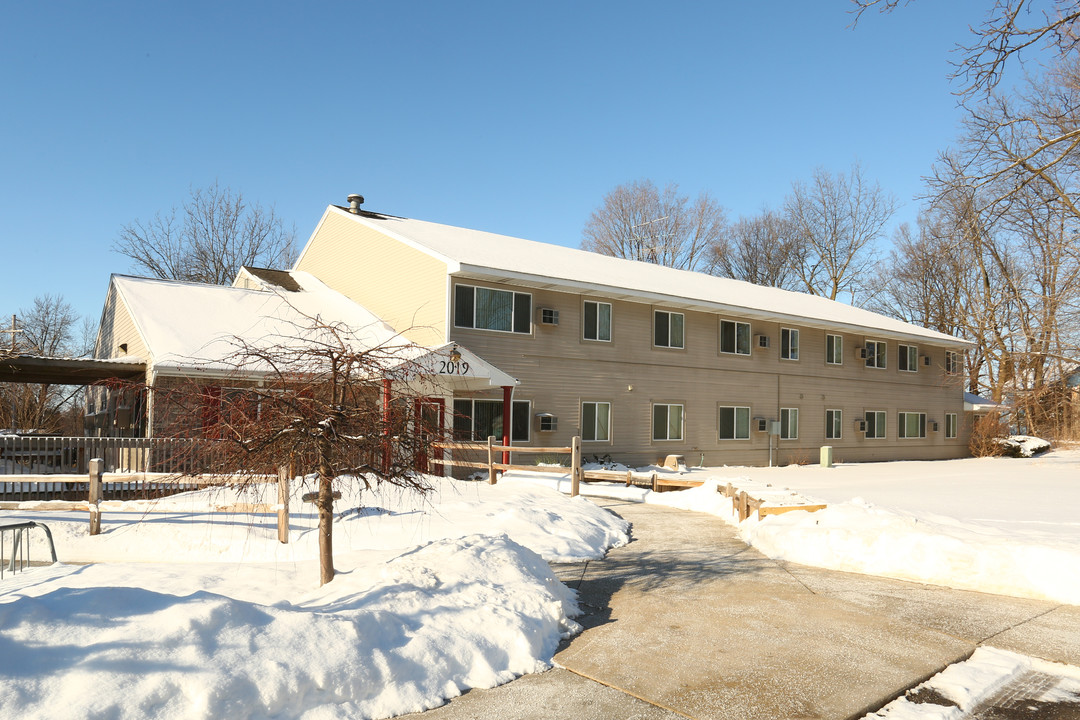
x: 489, y: 309
x: 596, y: 325
x: 789, y: 423
x: 734, y: 337
x: 908, y: 361
x: 481, y: 419
x: 875, y: 424
x: 595, y: 421
x: 667, y: 422
x: 789, y: 344
x: 834, y: 350
x: 834, y: 424
x: 911, y: 425
x: 668, y: 329
x: 734, y: 423
x: 875, y: 354
x: 952, y: 362
x: 950, y: 425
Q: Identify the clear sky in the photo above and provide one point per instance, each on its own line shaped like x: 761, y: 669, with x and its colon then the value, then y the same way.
x: 509, y: 117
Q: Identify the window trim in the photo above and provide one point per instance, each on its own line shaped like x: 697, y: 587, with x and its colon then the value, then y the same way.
x: 734, y: 422
x: 884, y: 424
x: 901, y: 425
x: 901, y: 360
x: 883, y: 355
x: 682, y: 421
x: 952, y: 362
x: 793, y: 333
x: 584, y: 328
x: 595, y: 418
x: 837, y: 424
x: 749, y: 338
x: 669, y: 313
x: 838, y: 352
x: 784, y: 427
x: 513, y: 309
x: 954, y: 426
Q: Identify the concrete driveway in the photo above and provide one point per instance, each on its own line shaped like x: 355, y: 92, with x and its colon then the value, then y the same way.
x: 688, y: 621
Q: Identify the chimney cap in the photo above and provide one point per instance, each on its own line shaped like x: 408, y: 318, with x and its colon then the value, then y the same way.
x: 355, y: 201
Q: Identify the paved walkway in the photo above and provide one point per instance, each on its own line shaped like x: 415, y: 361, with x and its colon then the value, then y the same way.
x: 687, y: 621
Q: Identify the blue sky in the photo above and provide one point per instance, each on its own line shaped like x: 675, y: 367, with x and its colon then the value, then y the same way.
x: 508, y: 117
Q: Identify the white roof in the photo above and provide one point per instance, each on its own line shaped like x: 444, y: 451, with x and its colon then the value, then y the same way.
x: 542, y: 265
x: 977, y: 404
x: 198, y: 326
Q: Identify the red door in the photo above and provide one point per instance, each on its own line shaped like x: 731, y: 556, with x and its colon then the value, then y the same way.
x: 430, y: 416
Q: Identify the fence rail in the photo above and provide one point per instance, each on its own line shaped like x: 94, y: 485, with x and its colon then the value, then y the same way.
x: 48, y: 455
x: 492, y: 447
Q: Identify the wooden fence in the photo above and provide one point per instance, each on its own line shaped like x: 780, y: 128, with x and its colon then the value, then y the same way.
x: 492, y: 446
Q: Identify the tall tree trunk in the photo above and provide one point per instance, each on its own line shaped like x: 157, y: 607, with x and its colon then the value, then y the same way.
x: 325, y: 505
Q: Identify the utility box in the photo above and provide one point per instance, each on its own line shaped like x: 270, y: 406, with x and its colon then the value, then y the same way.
x: 826, y: 456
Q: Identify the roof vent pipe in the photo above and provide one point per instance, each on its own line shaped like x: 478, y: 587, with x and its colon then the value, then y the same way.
x: 355, y: 201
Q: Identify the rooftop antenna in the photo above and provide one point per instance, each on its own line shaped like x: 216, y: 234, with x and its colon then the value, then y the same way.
x: 652, y: 248
x: 14, y: 329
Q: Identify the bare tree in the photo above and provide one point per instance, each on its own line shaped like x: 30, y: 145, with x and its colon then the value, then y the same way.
x: 1009, y: 29
x: 322, y: 405
x: 837, y: 220
x: 762, y: 249
x: 208, y: 239
x: 640, y: 222
x: 49, y: 327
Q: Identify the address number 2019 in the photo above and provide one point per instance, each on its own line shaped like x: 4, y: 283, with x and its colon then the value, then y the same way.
x: 448, y: 367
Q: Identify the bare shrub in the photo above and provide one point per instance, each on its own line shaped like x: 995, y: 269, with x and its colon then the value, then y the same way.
x: 987, y: 432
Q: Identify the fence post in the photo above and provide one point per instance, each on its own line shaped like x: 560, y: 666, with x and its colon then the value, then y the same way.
x: 97, y: 467
x: 575, y: 465
x: 491, y: 460
x: 283, y: 504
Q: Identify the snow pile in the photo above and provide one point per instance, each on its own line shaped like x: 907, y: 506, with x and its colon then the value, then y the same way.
x: 964, y: 686
x: 455, y: 614
x: 1023, y: 445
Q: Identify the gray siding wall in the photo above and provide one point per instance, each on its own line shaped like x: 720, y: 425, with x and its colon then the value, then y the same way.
x: 558, y: 370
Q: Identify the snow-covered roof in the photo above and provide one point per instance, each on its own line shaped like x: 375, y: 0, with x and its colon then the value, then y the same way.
x: 977, y: 404
x: 188, y: 325
x: 475, y: 253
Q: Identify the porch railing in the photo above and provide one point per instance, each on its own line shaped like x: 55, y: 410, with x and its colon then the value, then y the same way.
x: 42, y: 455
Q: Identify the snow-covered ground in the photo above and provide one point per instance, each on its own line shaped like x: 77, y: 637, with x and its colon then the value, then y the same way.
x: 188, y: 613
x: 999, y: 525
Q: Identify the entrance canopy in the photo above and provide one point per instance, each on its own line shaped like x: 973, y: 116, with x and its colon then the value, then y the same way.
x: 68, y: 371
x: 456, y: 368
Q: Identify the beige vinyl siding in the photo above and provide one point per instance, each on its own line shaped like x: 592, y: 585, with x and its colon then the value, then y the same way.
x: 559, y: 369
x: 118, y: 328
x: 403, y: 286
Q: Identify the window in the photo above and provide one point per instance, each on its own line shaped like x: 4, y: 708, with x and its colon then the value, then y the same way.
x: 667, y: 329
x: 833, y: 424
x: 667, y: 422
x: 480, y: 419
x: 875, y: 424
x: 488, y: 309
x: 734, y: 337
x: 734, y: 423
x: 950, y: 425
x: 597, y: 322
x: 789, y: 423
x: 952, y: 362
x: 911, y: 425
x: 834, y: 349
x: 595, y: 421
x: 789, y: 344
x: 909, y: 358
x: 875, y: 354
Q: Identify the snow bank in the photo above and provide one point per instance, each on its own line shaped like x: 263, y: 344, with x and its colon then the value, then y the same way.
x: 454, y: 614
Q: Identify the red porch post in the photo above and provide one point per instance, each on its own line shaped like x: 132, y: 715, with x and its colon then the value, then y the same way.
x: 386, y: 425
x: 507, y: 389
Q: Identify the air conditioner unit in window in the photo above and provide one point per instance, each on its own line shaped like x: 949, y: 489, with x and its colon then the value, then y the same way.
x: 933, y: 425
x: 926, y: 360
x: 763, y: 341
x: 549, y: 316
x: 762, y: 424
x: 860, y: 352
x: 548, y: 422
x: 860, y: 426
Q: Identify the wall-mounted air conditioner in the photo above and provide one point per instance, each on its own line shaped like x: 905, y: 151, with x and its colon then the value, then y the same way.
x: 933, y: 425
x: 761, y: 424
x: 860, y: 426
x: 926, y: 360
x: 549, y: 316
x: 860, y: 352
x: 763, y: 341
x: 547, y: 422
